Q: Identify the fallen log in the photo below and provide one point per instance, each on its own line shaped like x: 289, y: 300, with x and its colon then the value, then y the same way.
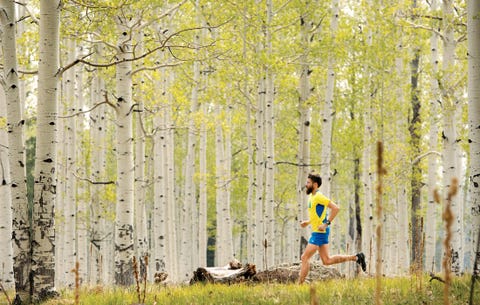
x: 286, y: 273
x: 223, y: 275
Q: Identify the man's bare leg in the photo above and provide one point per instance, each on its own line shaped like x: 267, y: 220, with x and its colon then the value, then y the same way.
x: 305, y: 267
x: 335, y: 259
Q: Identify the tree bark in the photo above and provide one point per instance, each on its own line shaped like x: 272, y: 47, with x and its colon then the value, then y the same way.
x: 16, y: 150
x: 82, y: 169
x: 328, y: 110
x: 203, y: 202
x: 304, y: 137
x: 43, y: 242
x: 98, y: 130
x: 259, y: 222
x: 141, y: 231
x: 430, y: 221
x: 473, y: 26
x: 160, y: 210
x: 270, y: 147
x: 449, y: 133
x: 416, y: 172
x: 6, y: 250
x: 125, y: 163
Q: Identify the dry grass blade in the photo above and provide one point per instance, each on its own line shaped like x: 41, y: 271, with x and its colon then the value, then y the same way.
x: 6, y: 294
x: 449, y: 218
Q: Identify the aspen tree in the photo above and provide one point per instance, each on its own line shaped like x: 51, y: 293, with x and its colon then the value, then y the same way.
x: 81, y: 169
x: 6, y: 251
x: 368, y: 234
x: 141, y: 236
x: 328, y: 108
x: 43, y: 240
x: 16, y: 150
x: 160, y: 210
x: 190, y: 207
x: 270, y: 223
x: 449, y: 131
x: 430, y: 221
x: 98, y: 218
x: 69, y: 194
x: 124, y: 148
x: 203, y: 185
x: 304, y: 122
x: 473, y: 25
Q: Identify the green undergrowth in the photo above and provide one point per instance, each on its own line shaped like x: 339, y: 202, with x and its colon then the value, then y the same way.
x: 344, y: 291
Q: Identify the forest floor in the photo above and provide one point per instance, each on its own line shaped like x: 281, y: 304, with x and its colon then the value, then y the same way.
x: 404, y: 290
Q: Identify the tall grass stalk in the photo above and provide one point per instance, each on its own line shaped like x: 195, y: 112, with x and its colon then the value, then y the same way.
x: 313, y: 296
x: 380, y: 172
x: 448, y: 217
x: 76, y: 271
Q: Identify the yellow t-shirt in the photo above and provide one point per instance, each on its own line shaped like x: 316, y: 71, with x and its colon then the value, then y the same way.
x: 317, y: 210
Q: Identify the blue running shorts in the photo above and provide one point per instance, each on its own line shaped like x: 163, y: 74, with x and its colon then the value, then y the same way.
x: 318, y: 238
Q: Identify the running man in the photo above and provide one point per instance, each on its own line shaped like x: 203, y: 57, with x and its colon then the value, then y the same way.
x: 320, y: 223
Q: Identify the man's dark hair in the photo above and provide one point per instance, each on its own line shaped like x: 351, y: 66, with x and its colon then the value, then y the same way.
x: 315, y: 178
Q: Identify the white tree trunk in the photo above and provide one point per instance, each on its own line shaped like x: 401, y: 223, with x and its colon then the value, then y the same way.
x: 221, y: 257
x: 16, y: 150
x: 81, y: 169
x: 160, y: 211
x: 251, y: 173
x: 98, y: 242
x: 367, y: 181
x: 43, y: 242
x: 189, y: 208
x: 6, y: 250
x: 304, y: 138
x: 473, y: 26
x: 430, y: 221
x: 69, y: 163
x: 170, y: 177
x: 61, y: 190
x: 141, y: 234
x: 260, y: 177
x: 270, y: 148
x: 449, y: 129
x: 227, y: 174
x: 203, y: 203
x: 125, y: 164
x: 328, y: 112
x: 401, y: 232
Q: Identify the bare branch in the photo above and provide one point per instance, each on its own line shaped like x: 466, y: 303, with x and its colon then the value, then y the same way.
x: 86, y: 111
x: 423, y: 27
x: 93, y: 182
x: 419, y: 158
x: 296, y: 164
x: 72, y: 64
x: 31, y: 15
x: 155, y: 67
x: 167, y: 13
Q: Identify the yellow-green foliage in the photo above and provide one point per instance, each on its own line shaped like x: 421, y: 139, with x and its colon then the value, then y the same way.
x: 3, y: 122
x: 343, y: 291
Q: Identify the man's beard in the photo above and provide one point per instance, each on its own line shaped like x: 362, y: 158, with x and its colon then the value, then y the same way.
x: 309, y: 190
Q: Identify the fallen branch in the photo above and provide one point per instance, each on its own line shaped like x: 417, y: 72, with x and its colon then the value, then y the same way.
x: 434, y: 277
